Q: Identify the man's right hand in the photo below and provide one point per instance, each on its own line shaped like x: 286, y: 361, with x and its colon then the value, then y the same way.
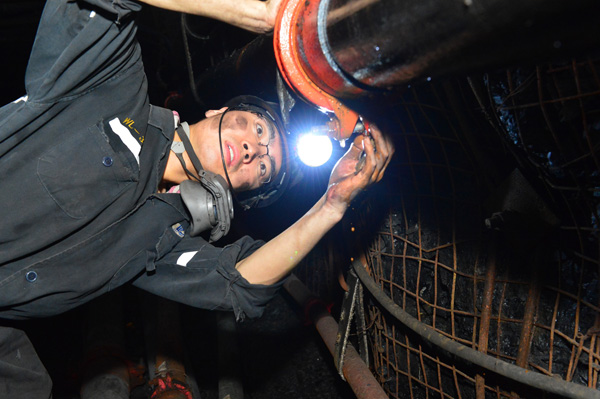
x: 271, y: 14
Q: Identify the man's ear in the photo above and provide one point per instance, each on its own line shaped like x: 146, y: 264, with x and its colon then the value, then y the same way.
x: 213, y: 112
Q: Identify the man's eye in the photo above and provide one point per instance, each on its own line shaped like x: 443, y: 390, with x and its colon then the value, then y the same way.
x: 259, y: 130
x: 262, y: 168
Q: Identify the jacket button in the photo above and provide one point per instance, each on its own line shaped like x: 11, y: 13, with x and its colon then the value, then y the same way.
x: 107, y: 161
x: 31, y: 276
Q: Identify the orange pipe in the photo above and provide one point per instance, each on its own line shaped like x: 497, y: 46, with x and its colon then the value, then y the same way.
x: 288, y: 42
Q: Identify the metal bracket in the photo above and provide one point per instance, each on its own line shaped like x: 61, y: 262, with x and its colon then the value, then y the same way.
x: 353, y: 302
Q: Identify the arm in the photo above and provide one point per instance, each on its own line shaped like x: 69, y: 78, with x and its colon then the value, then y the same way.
x: 203, y: 276
x: 253, y: 15
x: 76, y: 50
x: 280, y: 255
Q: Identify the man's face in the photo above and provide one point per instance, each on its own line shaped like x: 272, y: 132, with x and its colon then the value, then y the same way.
x: 243, y: 135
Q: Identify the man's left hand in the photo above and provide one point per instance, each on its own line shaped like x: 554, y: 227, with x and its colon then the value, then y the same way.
x: 346, y: 182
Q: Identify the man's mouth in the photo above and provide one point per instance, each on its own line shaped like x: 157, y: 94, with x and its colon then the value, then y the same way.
x: 230, y: 154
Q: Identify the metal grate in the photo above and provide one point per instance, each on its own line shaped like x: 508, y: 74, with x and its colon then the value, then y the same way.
x: 492, y: 233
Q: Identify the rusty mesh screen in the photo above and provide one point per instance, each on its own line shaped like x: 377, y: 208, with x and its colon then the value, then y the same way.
x: 490, y: 232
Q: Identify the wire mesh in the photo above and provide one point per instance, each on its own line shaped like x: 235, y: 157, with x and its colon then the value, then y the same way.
x: 525, y: 290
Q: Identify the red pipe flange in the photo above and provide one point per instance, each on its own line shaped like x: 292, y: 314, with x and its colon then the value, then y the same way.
x: 287, y: 43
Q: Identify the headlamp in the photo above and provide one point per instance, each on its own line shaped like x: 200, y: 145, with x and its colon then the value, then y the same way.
x: 314, y: 149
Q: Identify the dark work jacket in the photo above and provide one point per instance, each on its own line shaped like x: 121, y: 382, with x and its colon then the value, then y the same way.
x: 77, y: 193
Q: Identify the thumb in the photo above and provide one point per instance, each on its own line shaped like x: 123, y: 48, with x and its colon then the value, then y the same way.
x: 358, y: 141
x: 356, y: 148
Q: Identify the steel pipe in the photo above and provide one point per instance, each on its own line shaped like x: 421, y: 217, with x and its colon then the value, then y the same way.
x: 386, y: 43
x: 355, y: 371
x: 332, y: 49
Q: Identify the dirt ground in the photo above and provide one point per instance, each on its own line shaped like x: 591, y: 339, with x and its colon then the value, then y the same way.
x: 279, y: 355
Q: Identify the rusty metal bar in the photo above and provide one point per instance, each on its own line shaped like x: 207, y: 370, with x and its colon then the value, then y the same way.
x: 357, y: 374
x: 528, y: 320
x: 486, y: 312
x: 351, y: 305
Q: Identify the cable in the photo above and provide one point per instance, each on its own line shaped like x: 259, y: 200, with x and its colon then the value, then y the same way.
x: 190, y: 32
x: 188, y: 60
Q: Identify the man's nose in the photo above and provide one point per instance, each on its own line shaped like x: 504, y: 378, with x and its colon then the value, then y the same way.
x: 250, y: 151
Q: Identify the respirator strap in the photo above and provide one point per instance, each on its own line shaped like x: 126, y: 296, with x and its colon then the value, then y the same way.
x: 179, y: 147
x: 208, y: 201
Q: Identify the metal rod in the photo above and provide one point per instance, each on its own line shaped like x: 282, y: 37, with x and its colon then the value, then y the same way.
x: 486, y: 313
x: 528, y: 320
x: 357, y: 374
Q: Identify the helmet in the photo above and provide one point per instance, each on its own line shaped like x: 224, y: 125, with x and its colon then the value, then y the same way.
x: 270, y: 192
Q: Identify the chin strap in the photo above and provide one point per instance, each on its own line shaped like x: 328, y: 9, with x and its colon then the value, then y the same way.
x: 223, y: 155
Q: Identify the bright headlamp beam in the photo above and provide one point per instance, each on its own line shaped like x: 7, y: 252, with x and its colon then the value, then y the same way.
x: 314, y: 150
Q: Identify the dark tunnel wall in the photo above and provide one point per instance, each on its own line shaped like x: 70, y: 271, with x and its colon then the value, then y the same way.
x: 488, y: 231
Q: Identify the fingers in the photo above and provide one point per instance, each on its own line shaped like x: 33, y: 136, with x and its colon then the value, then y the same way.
x: 385, y: 150
x: 363, y: 164
x: 378, y: 155
x: 273, y: 7
x: 371, y: 165
x: 357, y: 147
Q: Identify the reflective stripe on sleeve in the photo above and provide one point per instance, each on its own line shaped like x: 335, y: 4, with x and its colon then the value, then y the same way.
x: 185, y: 257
